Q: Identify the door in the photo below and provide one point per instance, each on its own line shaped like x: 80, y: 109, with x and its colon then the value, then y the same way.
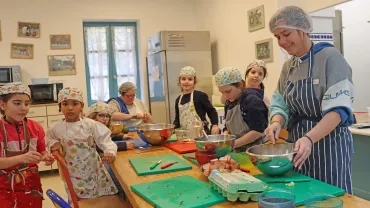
x: 111, y: 58
x: 158, y: 91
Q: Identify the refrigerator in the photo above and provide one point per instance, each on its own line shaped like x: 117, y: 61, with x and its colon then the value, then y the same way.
x: 168, y: 53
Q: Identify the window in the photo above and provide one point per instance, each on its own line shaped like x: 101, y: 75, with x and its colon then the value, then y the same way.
x: 111, y: 58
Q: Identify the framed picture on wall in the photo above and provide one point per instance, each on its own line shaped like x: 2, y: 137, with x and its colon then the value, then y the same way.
x: 21, y: 51
x: 264, y: 50
x: 28, y: 30
x: 61, y: 65
x: 58, y: 42
x: 256, y: 18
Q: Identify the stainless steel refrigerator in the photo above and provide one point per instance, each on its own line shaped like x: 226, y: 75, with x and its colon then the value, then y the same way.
x: 168, y: 52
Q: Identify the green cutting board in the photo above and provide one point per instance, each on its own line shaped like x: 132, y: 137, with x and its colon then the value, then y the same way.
x: 142, y: 164
x: 182, y: 191
x: 194, y: 161
x: 301, y: 190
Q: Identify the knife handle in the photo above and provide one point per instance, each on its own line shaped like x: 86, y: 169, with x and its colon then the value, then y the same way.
x: 167, y: 165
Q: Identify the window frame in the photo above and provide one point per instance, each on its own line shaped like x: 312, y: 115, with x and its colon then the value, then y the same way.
x: 112, y: 65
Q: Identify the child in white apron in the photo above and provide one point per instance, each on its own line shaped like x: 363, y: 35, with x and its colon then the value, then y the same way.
x: 76, y: 137
x: 192, y: 106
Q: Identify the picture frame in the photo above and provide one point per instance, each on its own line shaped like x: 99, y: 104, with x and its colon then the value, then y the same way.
x: 256, y: 18
x: 21, y: 51
x: 60, y: 42
x: 264, y: 50
x: 62, y: 65
x: 28, y: 30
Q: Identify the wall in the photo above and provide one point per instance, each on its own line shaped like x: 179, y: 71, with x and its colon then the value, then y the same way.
x: 356, y: 45
x: 232, y: 43
x: 66, y: 17
x: 311, y: 5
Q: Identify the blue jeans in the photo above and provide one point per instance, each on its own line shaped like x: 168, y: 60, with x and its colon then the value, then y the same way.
x: 115, y: 180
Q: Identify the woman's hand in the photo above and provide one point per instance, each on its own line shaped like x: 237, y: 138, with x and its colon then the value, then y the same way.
x: 273, y: 132
x: 130, y: 145
x: 215, y: 129
x: 108, y: 157
x: 139, y: 115
x: 57, y: 147
x: 303, y: 147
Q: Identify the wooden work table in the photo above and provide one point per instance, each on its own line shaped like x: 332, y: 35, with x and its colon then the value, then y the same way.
x: 127, y: 177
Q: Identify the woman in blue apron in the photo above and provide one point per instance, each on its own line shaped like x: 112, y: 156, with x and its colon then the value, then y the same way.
x: 313, y: 101
x: 246, y: 113
x: 127, y: 108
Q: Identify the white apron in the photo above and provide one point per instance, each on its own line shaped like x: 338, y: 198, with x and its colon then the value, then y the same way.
x: 89, y: 177
x: 189, y: 117
x: 133, y: 109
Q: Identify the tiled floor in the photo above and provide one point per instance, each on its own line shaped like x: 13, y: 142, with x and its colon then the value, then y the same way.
x: 51, y: 180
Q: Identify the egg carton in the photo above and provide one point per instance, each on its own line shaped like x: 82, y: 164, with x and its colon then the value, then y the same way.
x: 236, y: 185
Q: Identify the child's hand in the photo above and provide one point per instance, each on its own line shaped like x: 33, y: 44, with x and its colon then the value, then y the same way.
x: 108, y: 157
x: 130, y: 145
x: 56, y: 147
x: 48, y: 158
x: 215, y: 129
x: 31, y: 157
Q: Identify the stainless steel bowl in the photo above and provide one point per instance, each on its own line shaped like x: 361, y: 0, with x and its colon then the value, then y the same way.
x: 220, y: 144
x: 156, y: 134
x: 272, y: 159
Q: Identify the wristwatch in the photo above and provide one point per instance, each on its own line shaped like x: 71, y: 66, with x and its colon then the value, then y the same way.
x: 134, y: 116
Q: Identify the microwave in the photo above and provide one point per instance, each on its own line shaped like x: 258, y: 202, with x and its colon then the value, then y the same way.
x: 10, y: 74
x: 45, y: 93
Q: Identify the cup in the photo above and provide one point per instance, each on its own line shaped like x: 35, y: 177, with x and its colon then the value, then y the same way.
x: 276, y: 199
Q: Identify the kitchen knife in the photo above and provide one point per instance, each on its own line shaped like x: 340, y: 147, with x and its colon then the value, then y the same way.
x: 168, y: 165
x: 155, y: 165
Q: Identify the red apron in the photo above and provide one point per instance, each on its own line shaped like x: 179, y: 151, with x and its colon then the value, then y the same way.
x: 20, y: 185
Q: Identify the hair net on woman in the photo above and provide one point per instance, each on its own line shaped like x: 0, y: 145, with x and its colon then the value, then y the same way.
x: 125, y: 87
x: 291, y: 17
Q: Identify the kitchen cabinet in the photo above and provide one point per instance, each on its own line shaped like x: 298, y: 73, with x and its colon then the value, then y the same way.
x: 45, y: 115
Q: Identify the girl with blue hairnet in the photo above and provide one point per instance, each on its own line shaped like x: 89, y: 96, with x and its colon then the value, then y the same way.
x: 313, y: 101
x: 245, y: 112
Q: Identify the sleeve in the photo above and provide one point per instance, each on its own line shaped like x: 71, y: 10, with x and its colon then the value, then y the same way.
x: 102, y: 137
x: 117, y: 138
x: 339, y: 94
x: 278, y: 105
x: 51, y: 138
x: 114, y: 106
x: 41, y: 146
x: 254, y: 112
x: 121, y: 146
x: 176, y: 122
x: 208, y: 107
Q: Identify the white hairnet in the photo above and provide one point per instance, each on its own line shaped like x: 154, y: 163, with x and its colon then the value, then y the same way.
x: 125, y: 87
x: 291, y: 17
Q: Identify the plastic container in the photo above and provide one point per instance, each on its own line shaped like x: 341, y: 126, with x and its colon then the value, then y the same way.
x: 236, y: 185
x: 323, y: 201
x: 40, y: 81
x: 276, y: 199
x: 203, y: 157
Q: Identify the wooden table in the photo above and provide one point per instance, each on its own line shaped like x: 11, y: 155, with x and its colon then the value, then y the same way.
x: 127, y: 177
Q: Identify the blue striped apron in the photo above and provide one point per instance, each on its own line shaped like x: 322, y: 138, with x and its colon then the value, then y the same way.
x: 330, y: 159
